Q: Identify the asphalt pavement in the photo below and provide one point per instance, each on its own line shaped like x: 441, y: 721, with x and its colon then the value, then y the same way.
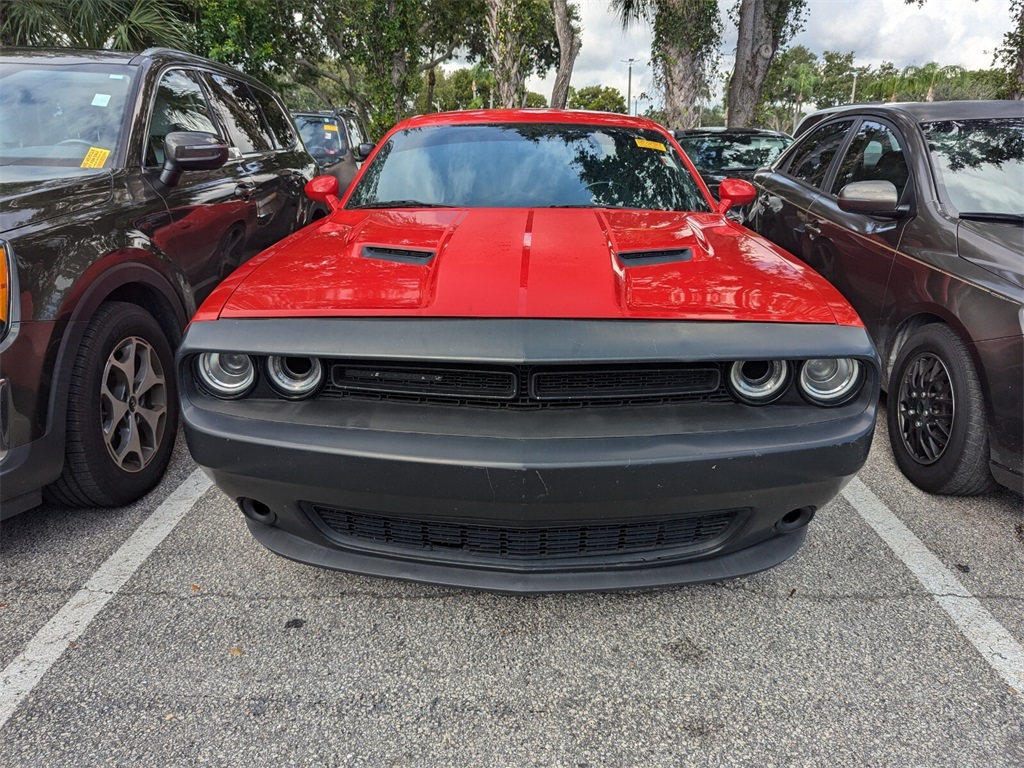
x: 162, y: 634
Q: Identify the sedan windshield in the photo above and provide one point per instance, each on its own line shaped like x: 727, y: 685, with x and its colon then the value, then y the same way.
x: 527, y: 165
x: 60, y: 122
x: 980, y: 164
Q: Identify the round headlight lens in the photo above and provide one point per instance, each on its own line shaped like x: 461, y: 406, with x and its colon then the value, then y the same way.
x: 757, y: 382
x: 225, y: 374
x: 294, y: 377
x: 830, y: 381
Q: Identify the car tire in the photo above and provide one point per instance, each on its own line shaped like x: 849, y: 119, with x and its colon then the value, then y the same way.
x: 936, y: 415
x: 122, y: 412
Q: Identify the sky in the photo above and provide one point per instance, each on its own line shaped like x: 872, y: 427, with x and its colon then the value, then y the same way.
x: 964, y: 32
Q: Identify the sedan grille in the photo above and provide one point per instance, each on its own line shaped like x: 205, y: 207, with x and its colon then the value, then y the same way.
x: 472, y: 542
x: 527, y: 386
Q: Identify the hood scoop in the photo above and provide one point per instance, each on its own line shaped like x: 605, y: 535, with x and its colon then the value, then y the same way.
x: 646, y: 258
x: 400, y: 255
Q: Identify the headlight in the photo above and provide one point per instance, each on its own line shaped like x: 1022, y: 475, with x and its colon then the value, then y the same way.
x: 757, y: 382
x: 225, y: 374
x: 294, y: 377
x: 830, y: 381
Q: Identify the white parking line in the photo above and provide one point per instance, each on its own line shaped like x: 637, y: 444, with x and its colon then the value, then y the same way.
x: 998, y: 647
x: 29, y: 666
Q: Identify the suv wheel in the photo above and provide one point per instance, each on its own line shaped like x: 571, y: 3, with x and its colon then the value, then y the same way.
x: 122, y: 411
x: 936, y: 415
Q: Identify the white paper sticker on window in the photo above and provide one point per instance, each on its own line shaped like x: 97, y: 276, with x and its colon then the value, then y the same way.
x: 101, y: 99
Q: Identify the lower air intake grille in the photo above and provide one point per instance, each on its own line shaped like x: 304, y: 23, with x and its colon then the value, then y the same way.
x: 496, y: 544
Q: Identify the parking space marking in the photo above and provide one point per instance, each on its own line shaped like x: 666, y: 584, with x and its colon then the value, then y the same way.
x: 43, y: 650
x: 998, y: 647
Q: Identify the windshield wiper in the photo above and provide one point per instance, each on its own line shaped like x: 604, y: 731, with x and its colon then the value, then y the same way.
x: 399, y: 204
x: 1009, y: 218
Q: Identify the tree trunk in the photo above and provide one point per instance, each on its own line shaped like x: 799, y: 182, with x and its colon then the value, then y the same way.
x: 569, y: 45
x: 507, y: 50
x: 680, y: 70
x: 762, y: 25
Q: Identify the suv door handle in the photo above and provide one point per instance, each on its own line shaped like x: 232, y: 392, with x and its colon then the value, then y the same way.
x: 245, y: 190
x: 812, y: 229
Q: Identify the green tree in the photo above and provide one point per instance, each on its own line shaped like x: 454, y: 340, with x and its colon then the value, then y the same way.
x: 119, y: 24
x: 521, y: 40
x: 600, y: 98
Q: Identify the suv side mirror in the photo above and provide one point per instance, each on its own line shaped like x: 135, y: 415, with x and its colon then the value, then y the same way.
x: 872, y: 198
x: 363, y: 151
x: 191, y: 151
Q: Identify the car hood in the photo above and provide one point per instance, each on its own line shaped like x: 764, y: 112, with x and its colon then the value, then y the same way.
x: 26, y: 197
x: 537, y: 263
x: 993, y: 246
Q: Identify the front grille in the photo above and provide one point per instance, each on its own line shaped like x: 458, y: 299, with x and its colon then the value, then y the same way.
x: 527, y: 386
x: 497, y: 544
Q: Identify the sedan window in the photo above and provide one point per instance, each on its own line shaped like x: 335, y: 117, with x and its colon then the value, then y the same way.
x: 812, y: 158
x: 874, y: 155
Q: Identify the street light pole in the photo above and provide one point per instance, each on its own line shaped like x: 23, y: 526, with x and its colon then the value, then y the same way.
x: 629, y: 84
x: 853, y: 93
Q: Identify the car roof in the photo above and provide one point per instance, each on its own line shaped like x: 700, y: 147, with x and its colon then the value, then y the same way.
x: 567, y: 116
x: 919, y: 111
x: 721, y: 130
x: 158, y: 56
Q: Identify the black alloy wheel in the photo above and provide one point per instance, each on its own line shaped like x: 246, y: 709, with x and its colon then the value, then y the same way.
x: 122, y: 411
x: 936, y: 415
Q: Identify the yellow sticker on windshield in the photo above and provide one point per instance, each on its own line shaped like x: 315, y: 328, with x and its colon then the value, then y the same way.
x: 95, y: 158
x: 645, y: 144
x: 329, y: 127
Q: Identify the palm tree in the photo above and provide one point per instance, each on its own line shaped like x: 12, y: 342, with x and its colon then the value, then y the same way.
x: 801, y: 84
x: 119, y: 24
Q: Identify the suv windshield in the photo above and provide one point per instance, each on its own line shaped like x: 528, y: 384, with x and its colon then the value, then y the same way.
x: 525, y: 165
x: 323, y: 137
x: 980, y: 163
x: 60, y: 122
x: 732, y: 152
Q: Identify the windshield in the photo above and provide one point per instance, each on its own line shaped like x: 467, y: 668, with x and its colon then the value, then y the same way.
x: 720, y: 154
x: 60, y: 122
x: 980, y: 163
x: 526, y: 165
x: 323, y: 137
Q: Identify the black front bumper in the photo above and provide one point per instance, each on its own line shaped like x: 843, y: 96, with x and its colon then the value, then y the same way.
x: 517, y: 501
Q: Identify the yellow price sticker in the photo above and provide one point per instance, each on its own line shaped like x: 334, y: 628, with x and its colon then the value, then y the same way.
x: 329, y: 127
x: 96, y: 157
x: 645, y: 144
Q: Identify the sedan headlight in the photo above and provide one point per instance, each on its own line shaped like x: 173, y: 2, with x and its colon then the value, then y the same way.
x: 757, y: 382
x: 294, y: 377
x: 830, y: 381
x: 225, y: 375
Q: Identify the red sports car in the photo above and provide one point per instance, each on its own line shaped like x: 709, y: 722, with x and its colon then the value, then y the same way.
x: 528, y: 352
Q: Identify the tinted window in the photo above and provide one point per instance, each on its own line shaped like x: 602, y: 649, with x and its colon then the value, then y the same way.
x: 356, y: 134
x: 980, y: 163
x: 874, y: 154
x: 811, y: 159
x: 179, y: 106
x: 240, y: 114
x: 276, y: 119
x: 529, y: 165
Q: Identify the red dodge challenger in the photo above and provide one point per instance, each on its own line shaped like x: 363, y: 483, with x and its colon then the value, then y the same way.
x: 528, y: 352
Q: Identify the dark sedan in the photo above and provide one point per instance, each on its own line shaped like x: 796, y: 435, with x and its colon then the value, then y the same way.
x: 915, y: 212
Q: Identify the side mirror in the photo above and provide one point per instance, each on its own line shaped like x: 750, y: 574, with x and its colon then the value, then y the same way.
x: 191, y: 151
x: 734, y: 192
x: 872, y: 198
x: 363, y: 151
x: 324, y: 189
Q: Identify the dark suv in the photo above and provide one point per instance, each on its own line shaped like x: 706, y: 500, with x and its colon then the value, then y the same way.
x: 130, y: 184
x: 734, y: 153
x: 337, y: 140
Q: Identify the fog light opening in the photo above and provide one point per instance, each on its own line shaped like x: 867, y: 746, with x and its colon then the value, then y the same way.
x: 795, y: 519
x: 257, y: 511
